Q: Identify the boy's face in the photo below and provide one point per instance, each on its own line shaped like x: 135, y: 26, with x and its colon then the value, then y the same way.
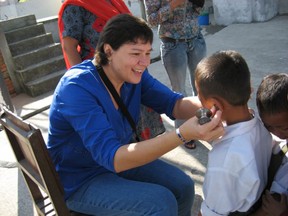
x: 277, y: 124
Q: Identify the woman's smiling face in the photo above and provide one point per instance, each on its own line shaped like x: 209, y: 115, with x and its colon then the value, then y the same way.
x: 130, y: 61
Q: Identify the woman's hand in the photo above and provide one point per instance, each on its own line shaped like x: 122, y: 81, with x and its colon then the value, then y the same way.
x: 137, y: 154
x: 212, y: 130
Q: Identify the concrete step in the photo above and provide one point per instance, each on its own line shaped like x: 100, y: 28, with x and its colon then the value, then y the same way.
x: 19, y: 22
x: 30, y: 44
x: 36, y: 56
x: 44, y: 84
x: 41, y: 69
x: 38, y: 62
x: 24, y: 33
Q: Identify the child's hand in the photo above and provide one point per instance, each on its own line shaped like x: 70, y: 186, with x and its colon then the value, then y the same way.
x: 273, y: 206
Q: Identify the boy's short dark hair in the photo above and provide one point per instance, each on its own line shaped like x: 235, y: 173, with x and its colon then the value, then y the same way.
x: 226, y: 75
x: 272, y: 94
x: 121, y: 29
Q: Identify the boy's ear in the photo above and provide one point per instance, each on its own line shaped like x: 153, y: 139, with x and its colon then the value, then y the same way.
x: 219, y: 105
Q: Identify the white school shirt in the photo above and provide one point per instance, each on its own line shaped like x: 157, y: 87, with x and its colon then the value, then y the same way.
x: 237, y: 168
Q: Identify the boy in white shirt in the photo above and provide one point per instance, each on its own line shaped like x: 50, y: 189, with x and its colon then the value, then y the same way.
x: 272, y: 104
x: 238, y: 162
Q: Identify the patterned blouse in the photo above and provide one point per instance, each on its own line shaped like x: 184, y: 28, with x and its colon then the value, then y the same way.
x: 79, y: 25
x: 181, y: 23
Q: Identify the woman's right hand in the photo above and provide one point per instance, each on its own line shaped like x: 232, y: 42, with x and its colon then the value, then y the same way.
x: 192, y: 130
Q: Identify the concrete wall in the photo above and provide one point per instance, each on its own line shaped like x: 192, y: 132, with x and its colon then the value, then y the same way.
x: 283, y: 7
x: 227, y: 12
x: 40, y: 8
x: 6, y: 85
x: 51, y: 26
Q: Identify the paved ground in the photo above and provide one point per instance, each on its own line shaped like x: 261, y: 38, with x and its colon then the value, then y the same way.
x: 263, y: 45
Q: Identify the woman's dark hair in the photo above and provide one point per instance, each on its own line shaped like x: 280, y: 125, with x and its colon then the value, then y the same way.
x: 272, y: 94
x: 121, y: 29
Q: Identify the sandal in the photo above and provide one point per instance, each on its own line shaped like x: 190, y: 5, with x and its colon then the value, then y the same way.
x: 190, y: 145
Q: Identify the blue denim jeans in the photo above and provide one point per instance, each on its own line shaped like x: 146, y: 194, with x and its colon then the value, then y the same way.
x: 157, y: 189
x: 177, y: 57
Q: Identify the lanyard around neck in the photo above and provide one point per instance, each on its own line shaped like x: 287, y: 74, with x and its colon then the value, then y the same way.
x: 118, y: 100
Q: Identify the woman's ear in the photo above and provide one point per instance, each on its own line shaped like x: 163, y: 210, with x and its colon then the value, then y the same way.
x: 108, y: 50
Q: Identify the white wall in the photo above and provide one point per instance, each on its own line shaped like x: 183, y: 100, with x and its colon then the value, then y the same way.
x: 40, y: 8
x: 227, y: 12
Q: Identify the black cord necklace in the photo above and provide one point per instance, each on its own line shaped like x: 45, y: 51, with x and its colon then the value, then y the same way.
x: 119, y: 101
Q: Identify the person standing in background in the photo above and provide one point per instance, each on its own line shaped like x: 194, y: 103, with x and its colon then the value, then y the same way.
x: 182, y: 43
x: 80, y: 23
